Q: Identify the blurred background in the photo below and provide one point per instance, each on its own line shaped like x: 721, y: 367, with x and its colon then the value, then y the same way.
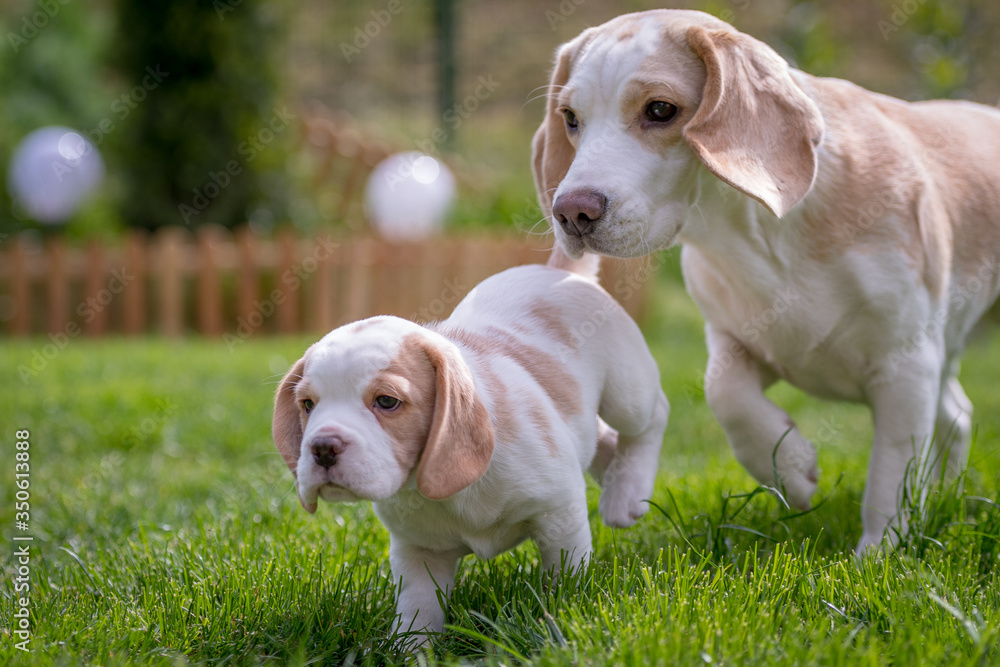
x: 225, y: 69
x: 270, y: 115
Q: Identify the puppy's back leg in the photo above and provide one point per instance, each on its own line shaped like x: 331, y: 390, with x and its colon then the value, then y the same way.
x: 607, y: 445
x: 633, y: 404
x: 953, y: 432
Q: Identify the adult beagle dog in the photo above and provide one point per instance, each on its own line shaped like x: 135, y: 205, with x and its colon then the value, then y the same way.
x: 838, y: 239
x: 471, y: 435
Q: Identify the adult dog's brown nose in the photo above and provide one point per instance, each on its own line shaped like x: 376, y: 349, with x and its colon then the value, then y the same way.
x: 325, y: 450
x: 578, y: 210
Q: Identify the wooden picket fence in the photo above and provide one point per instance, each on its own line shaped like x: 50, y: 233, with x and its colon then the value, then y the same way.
x: 237, y: 285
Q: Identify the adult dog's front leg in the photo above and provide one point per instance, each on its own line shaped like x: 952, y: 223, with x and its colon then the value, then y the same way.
x: 762, y: 435
x: 419, y: 573
x: 904, y: 406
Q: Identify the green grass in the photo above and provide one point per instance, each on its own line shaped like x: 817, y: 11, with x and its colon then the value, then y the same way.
x: 167, y: 531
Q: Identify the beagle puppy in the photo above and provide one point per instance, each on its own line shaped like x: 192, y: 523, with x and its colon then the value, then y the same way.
x: 838, y: 239
x: 471, y: 435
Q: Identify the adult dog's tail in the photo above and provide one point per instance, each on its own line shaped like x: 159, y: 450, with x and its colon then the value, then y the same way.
x: 587, y: 266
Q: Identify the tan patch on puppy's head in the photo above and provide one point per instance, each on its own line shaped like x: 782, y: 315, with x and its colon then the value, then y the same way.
x: 409, y: 378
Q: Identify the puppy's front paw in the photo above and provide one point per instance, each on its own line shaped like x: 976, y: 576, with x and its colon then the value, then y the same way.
x: 625, y: 490
x: 621, y: 512
x: 795, y: 463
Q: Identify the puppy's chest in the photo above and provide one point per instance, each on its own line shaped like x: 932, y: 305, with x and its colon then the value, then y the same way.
x: 483, y: 530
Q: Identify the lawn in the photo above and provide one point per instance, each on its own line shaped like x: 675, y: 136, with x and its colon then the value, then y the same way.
x: 166, y: 531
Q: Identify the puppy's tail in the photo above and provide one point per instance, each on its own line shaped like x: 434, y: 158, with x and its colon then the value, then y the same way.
x: 587, y: 266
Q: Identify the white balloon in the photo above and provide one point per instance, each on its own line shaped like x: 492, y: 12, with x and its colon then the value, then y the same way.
x: 408, y: 196
x: 52, y: 172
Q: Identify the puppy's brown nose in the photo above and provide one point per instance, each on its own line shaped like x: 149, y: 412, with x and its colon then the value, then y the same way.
x: 578, y: 210
x: 325, y: 450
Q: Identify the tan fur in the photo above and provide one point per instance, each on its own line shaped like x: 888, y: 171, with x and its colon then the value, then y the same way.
x: 409, y: 377
x: 552, y: 325
x: 504, y: 409
x: 287, y: 427
x: 754, y: 129
x: 543, y: 367
x: 552, y: 153
x: 862, y: 279
x: 461, y: 439
x: 587, y: 266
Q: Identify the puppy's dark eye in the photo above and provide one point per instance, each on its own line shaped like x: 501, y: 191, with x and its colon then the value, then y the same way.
x: 572, y: 122
x: 388, y: 402
x: 660, y: 112
x: 308, y: 405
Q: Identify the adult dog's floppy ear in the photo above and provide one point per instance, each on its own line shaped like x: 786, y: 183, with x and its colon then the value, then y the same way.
x: 286, y: 427
x: 551, y: 152
x: 755, y: 129
x: 461, y: 440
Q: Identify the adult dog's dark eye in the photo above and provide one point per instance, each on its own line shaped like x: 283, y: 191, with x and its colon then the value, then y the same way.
x: 572, y: 122
x: 388, y: 402
x: 308, y: 405
x: 660, y: 112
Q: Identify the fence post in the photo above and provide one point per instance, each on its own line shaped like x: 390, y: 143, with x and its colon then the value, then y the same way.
x: 359, y: 278
x: 247, y: 257
x: 96, y: 270
x: 134, y: 299
x: 288, y: 311
x: 322, y: 295
x: 20, y: 288
x: 170, y: 242
x: 209, y: 291
x: 58, y: 289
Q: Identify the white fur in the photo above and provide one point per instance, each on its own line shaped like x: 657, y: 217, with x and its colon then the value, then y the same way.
x: 860, y: 324
x: 534, y: 486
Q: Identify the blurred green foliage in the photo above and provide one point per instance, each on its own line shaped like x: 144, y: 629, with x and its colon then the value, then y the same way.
x: 181, y: 97
x: 201, y: 131
x: 234, y: 67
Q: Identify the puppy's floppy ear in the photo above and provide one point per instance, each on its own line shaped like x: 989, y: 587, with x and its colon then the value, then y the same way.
x: 755, y: 128
x: 551, y: 152
x: 461, y: 440
x: 286, y: 427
